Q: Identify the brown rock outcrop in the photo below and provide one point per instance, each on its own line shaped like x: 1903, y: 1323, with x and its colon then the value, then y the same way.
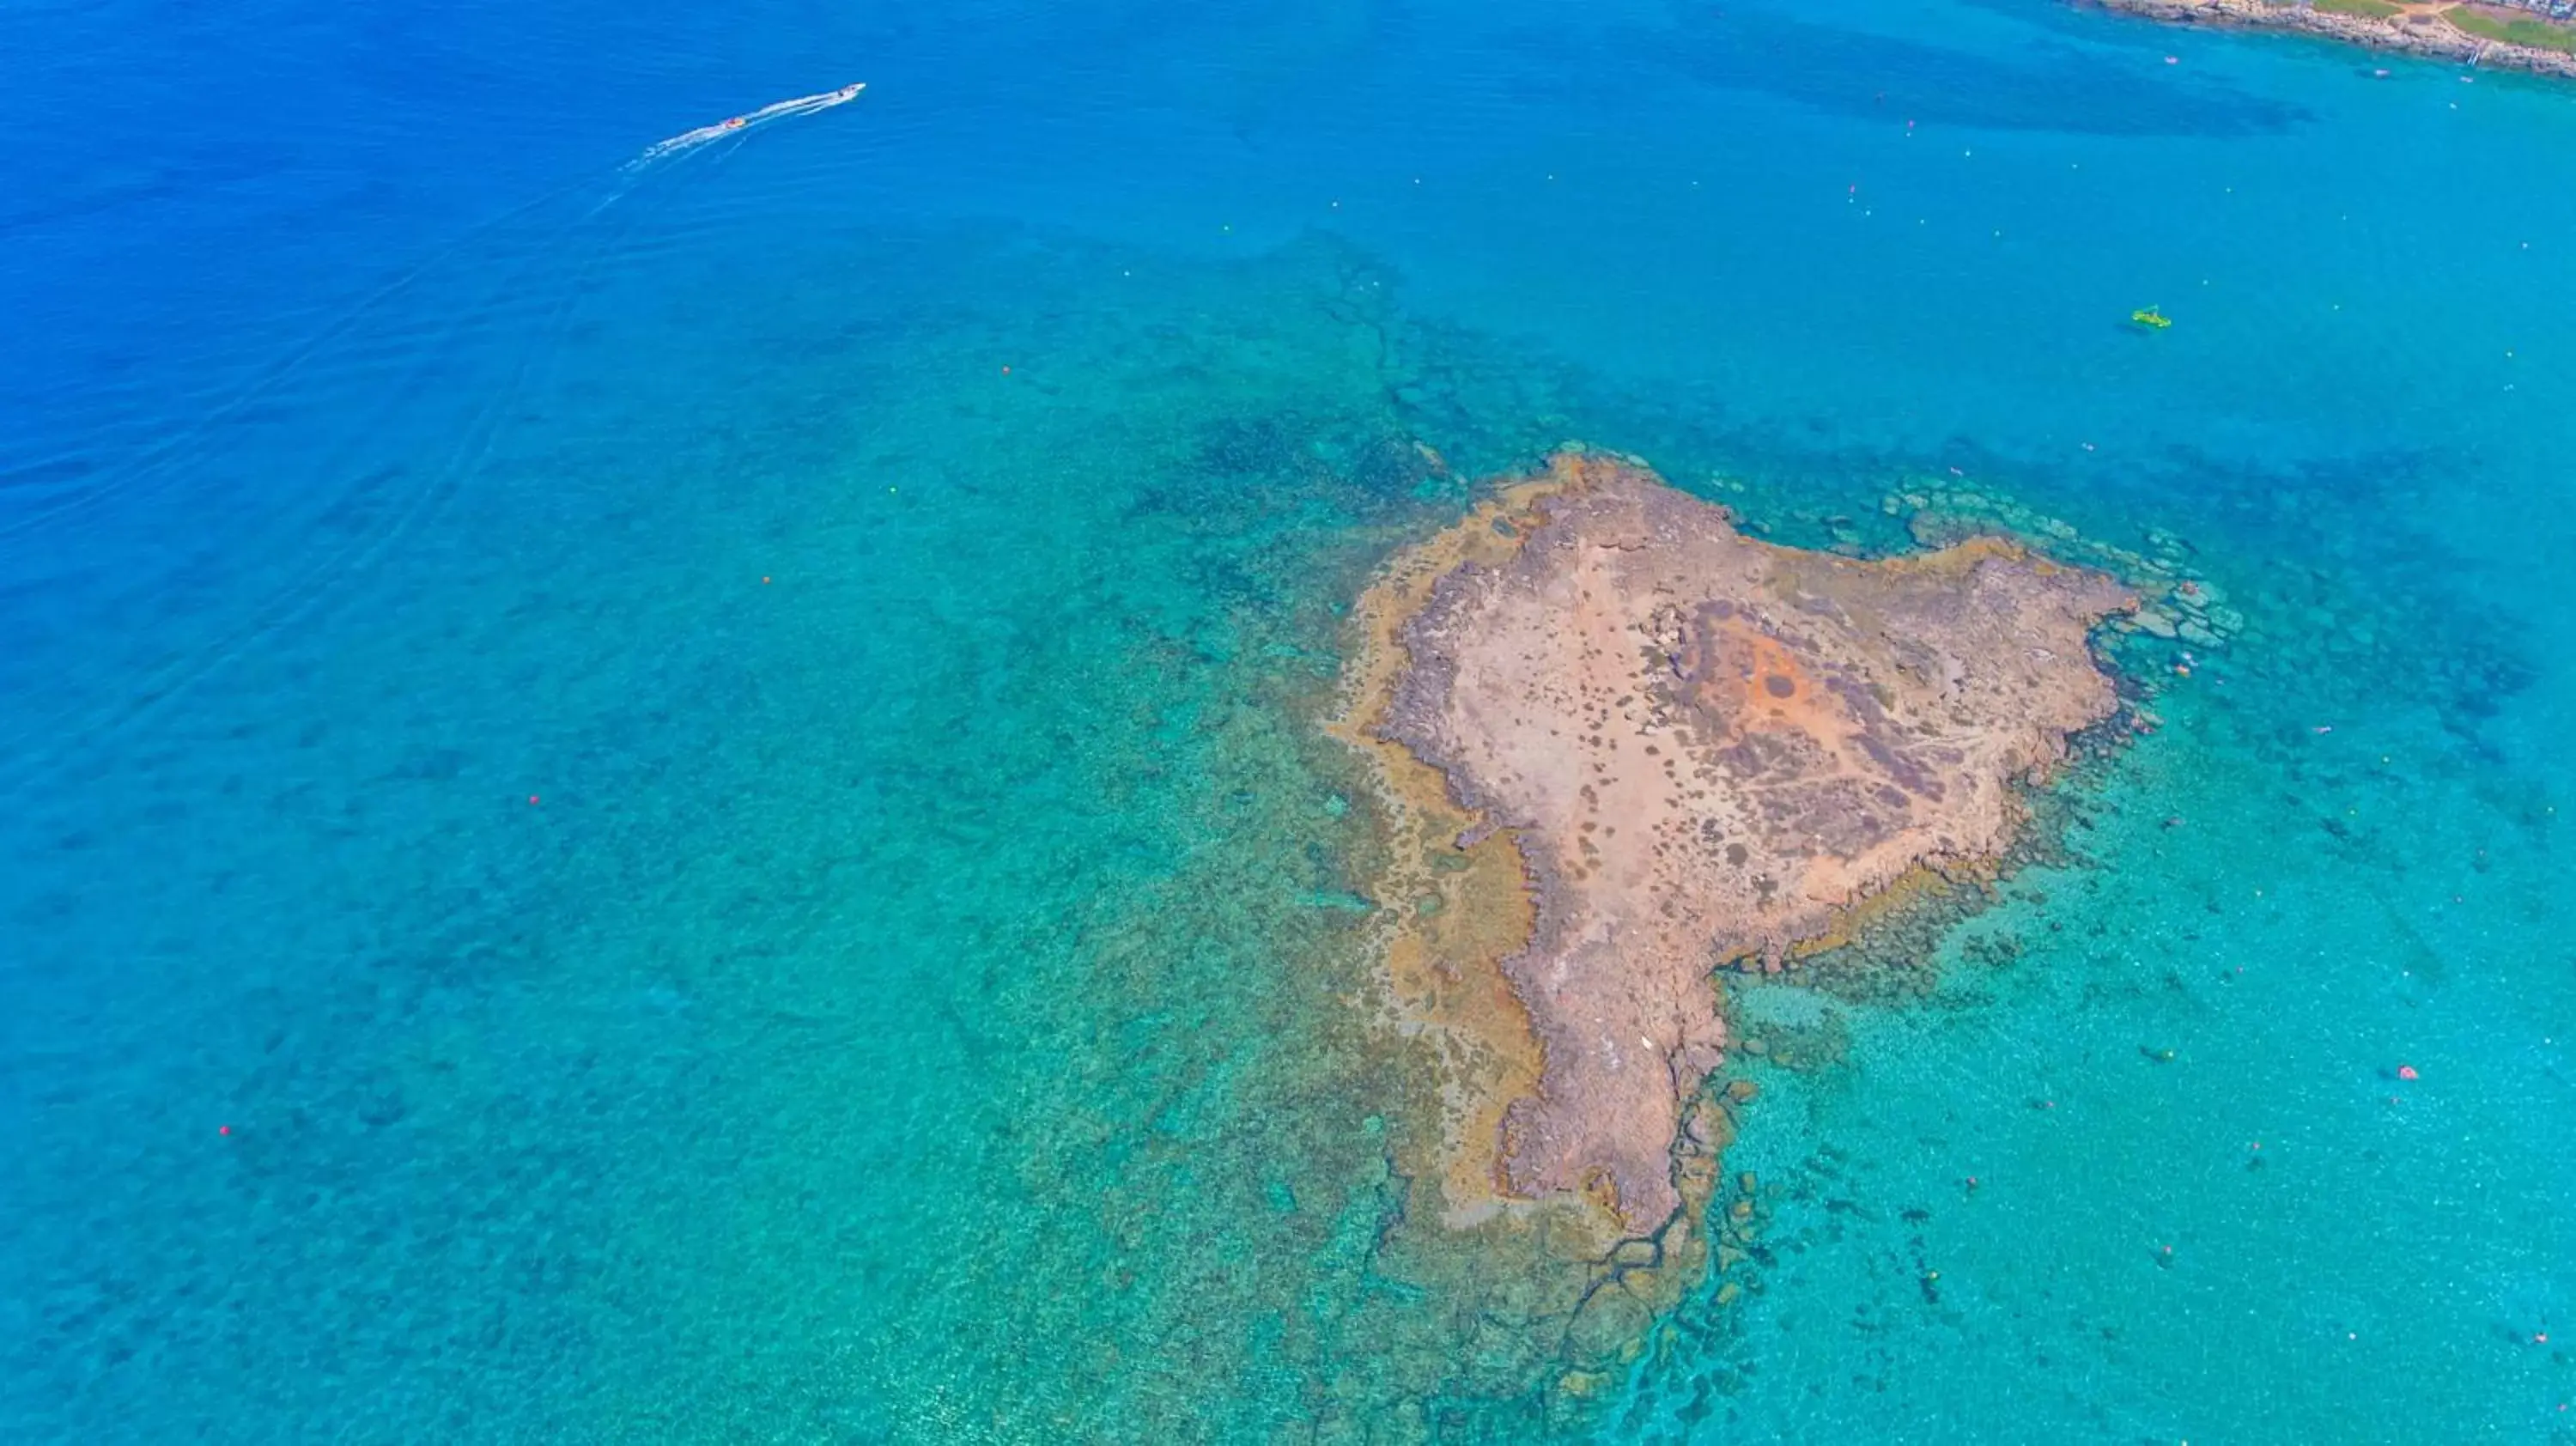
x: 1702, y: 748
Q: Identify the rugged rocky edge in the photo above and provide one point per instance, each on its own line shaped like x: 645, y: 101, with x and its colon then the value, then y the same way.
x: 2418, y: 32
x: 1621, y: 744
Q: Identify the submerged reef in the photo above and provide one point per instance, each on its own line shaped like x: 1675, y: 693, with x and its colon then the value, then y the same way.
x: 1619, y: 745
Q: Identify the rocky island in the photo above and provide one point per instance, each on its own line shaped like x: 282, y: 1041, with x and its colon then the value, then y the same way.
x: 2529, y: 35
x: 1621, y: 744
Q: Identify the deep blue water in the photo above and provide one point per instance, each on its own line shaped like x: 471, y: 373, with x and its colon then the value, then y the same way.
x: 613, y: 832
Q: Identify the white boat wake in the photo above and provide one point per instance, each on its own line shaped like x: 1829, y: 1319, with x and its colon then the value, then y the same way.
x: 508, y: 292
x: 688, y: 141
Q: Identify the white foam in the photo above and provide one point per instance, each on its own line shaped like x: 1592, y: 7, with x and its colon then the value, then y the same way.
x: 688, y: 141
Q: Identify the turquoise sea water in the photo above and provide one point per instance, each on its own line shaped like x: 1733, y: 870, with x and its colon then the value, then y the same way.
x: 685, y: 805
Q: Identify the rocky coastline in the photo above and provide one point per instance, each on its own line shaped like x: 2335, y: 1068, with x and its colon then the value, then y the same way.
x: 2418, y: 30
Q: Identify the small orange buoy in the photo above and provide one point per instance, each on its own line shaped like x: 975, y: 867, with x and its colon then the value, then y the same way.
x: 2407, y: 1071
x: 532, y: 800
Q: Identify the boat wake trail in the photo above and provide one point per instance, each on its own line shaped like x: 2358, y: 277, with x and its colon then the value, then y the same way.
x: 688, y: 141
x: 333, y: 458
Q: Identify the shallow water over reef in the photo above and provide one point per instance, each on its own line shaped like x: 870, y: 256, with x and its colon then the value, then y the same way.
x: 693, y: 806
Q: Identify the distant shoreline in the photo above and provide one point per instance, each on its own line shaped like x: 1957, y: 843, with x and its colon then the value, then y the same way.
x: 2415, y: 28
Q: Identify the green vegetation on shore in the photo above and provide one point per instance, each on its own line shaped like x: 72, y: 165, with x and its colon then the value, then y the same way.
x: 2538, y: 34
x: 2366, y: 9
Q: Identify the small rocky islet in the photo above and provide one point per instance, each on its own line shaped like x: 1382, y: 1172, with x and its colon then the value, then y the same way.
x: 1619, y: 744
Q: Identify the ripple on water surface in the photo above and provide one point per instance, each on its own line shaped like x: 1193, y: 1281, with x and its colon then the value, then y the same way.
x: 710, y: 819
